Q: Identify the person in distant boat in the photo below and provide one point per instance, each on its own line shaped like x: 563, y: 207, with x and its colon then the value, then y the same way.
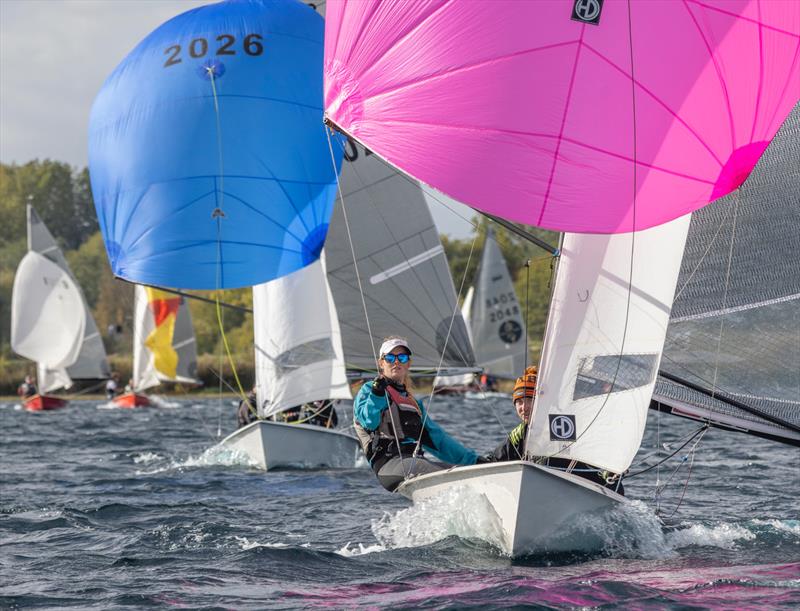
x: 112, y: 385
x: 248, y: 409
x: 129, y: 386
x: 488, y: 382
x: 513, y: 448
x: 523, y: 396
x: 27, y: 388
x: 393, y: 427
x: 318, y: 413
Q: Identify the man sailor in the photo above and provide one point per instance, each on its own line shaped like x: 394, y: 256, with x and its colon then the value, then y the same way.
x: 513, y: 447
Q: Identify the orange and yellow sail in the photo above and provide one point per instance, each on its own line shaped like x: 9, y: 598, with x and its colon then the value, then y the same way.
x: 164, y: 307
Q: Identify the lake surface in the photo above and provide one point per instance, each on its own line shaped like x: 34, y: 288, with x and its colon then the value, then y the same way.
x: 105, y: 509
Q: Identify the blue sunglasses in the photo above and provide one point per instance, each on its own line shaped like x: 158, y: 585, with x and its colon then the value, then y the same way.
x: 391, y: 358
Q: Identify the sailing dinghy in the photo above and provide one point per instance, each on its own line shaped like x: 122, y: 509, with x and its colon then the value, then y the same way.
x: 164, y: 347
x: 599, y: 137
x: 50, y: 320
x: 299, y: 360
x: 493, y: 316
x: 311, y: 333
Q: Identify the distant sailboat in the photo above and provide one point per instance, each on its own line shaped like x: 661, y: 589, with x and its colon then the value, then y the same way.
x: 308, y: 345
x: 494, y: 319
x: 164, y: 348
x: 299, y: 360
x: 50, y: 320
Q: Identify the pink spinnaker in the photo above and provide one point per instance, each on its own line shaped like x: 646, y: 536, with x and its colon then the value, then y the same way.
x: 516, y: 109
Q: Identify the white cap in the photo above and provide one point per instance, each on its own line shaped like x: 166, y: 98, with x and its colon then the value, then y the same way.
x: 391, y: 344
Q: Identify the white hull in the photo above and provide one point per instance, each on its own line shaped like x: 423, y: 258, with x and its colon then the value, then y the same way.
x: 277, y: 444
x: 537, y: 509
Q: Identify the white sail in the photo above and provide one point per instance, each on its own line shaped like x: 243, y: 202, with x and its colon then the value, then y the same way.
x: 47, y: 314
x: 48, y: 380
x: 91, y: 362
x: 164, y: 347
x: 605, y: 335
x: 299, y: 356
x: 496, y: 325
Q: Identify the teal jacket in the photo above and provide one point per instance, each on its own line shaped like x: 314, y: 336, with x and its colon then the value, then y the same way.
x: 367, y: 410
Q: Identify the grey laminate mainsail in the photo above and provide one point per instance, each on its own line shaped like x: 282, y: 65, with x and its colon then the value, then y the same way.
x: 735, y: 325
x: 405, y: 278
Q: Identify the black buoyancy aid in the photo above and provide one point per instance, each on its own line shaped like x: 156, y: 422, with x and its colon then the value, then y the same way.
x: 401, y: 420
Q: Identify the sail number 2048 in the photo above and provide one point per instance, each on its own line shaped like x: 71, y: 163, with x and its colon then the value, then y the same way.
x: 224, y: 44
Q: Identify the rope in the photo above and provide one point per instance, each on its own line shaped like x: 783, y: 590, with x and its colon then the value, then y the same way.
x: 218, y: 214
x: 444, y: 348
x: 702, y: 429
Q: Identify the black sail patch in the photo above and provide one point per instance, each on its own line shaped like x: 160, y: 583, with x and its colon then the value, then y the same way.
x: 562, y: 427
x: 587, y: 11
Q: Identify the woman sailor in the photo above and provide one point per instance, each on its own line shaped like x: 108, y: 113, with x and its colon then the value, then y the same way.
x: 390, y: 423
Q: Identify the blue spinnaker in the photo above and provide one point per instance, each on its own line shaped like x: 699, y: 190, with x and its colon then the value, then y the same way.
x: 209, y: 161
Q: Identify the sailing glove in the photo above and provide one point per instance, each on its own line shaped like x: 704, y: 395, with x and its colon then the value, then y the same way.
x: 379, y: 386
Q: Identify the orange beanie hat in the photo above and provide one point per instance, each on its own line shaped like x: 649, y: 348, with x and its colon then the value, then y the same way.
x: 525, y: 386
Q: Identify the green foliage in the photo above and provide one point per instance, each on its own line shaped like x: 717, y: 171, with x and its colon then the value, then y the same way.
x: 60, y: 195
x: 89, y: 265
x: 62, y: 198
x: 464, y: 258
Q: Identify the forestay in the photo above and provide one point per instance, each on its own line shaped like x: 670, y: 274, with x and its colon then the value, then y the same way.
x: 497, y: 328
x: 164, y: 346
x: 405, y: 278
x: 603, y: 344
x: 462, y: 379
x: 47, y: 316
x: 91, y: 362
x: 298, y: 344
x: 735, y: 327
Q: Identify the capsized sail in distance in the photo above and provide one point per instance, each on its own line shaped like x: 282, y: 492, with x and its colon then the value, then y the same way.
x: 543, y: 112
x: 207, y: 150
x: 735, y: 325
x: 164, y: 347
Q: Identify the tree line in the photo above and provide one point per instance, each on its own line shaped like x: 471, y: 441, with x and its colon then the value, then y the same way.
x: 62, y: 197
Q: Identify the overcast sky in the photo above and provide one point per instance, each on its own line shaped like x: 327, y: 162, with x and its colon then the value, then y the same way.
x: 54, y: 57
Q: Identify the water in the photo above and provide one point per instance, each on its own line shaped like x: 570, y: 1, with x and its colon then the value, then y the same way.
x: 109, y: 509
